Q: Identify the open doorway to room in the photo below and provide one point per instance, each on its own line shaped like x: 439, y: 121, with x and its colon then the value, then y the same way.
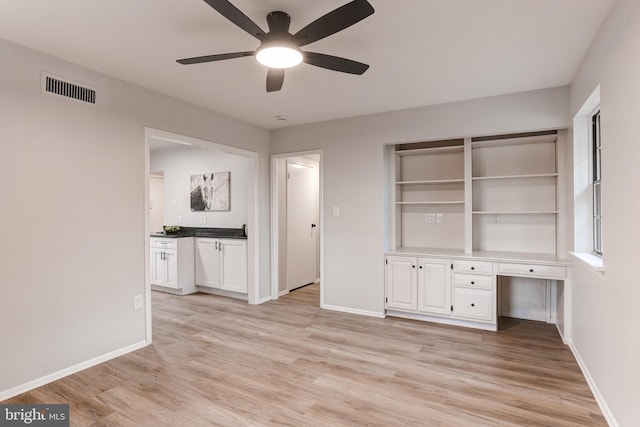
x: 216, y: 248
x: 296, y: 222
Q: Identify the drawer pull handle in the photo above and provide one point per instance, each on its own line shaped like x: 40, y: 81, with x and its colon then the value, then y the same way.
x: 531, y: 270
x: 473, y: 305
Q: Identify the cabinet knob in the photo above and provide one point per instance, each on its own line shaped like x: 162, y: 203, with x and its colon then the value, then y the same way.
x: 413, y: 266
x: 473, y: 268
x: 531, y: 270
x: 473, y: 305
x: 473, y: 283
x: 420, y: 267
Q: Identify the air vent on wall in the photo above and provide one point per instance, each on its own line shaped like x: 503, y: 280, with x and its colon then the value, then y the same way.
x: 58, y: 86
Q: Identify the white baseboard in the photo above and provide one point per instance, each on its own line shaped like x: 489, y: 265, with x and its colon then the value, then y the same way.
x: 23, y: 388
x: 443, y: 320
x: 263, y: 300
x: 564, y: 341
x: 353, y: 311
x: 594, y: 388
x: 286, y: 291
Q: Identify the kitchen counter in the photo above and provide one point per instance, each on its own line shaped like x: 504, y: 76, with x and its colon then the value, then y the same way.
x: 214, y: 233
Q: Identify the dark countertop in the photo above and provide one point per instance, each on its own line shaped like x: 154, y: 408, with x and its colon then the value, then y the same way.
x: 214, y: 233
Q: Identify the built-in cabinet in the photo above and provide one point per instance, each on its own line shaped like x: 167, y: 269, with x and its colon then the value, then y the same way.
x: 172, y: 264
x: 221, y: 264
x: 445, y: 288
x: 466, y: 211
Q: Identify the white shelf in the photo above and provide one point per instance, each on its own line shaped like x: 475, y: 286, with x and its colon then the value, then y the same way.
x: 540, y: 139
x: 538, y: 175
x: 515, y: 212
x: 431, y: 181
x: 430, y: 151
x: 453, y: 202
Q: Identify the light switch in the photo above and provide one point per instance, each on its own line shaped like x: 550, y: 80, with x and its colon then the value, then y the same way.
x: 335, y: 211
x: 438, y: 218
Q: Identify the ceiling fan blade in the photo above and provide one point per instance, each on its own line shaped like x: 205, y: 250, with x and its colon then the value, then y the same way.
x: 337, y: 20
x: 275, y: 78
x: 233, y: 14
x: 211, y: 58
x: 335, y: 63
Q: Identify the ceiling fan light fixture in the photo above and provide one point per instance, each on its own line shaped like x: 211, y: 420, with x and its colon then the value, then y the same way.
x: 279, y: 56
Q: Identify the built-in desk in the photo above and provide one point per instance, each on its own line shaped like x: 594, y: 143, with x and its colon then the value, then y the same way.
x: 457, y: 288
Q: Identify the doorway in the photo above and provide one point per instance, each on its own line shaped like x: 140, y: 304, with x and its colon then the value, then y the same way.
x: 176, y: 208
x: 296, y: 222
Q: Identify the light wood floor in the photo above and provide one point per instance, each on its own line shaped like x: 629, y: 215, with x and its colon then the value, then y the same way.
x: 218, y: 361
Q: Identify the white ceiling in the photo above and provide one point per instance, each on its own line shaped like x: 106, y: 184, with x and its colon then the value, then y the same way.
x: 421, y: 52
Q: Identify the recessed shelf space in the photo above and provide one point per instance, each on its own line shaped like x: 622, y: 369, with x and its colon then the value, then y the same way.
x: 497, y: 193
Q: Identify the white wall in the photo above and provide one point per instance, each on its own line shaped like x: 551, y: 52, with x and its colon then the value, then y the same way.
x: 605, y: 309
x: 353, y: 171
x: 73, y: 211
x: 179, y: 163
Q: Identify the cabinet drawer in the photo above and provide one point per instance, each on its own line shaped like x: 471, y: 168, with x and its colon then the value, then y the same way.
x: 159, y: 242
x: 532, y: 270
x: 473, y: 304
x: 473, y: 281
x: 477, y: 267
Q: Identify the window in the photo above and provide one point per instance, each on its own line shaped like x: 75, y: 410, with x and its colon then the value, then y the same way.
x: 596, y: 183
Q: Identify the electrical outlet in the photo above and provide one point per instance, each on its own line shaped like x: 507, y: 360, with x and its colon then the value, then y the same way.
x: 137, y: 302
x: 430, y: 218
x: 439, y: 217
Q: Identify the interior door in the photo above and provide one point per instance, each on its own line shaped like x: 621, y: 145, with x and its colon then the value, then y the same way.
x: 302, y: 221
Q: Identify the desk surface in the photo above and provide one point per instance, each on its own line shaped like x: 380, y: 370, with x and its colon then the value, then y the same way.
x: 532, y: 258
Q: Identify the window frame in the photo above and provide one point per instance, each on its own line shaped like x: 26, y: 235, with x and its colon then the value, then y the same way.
x: 596, y: 182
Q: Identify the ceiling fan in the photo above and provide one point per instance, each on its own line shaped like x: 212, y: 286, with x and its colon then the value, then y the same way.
x: 280, y: 49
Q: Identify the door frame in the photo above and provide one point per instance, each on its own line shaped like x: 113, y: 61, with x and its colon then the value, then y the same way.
x: 275, y: 257
x: 253, y: 239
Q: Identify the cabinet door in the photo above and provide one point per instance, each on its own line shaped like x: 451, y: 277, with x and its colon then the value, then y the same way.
x: 158, y: 268
x: 233, y: 274
x: 434, y: 286
x: 171, y: 268
x: 401, y: 279
x: 207, y: 263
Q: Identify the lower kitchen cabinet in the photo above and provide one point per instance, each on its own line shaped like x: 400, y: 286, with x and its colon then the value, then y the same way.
x: 222, y: 264
x: 172, y: 264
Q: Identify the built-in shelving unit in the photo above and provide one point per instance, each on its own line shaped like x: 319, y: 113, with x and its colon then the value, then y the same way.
x: 430, y: 194
x: 497, y: 193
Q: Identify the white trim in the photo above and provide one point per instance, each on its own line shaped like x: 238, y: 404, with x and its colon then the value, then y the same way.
x: 493, y: 327
x: 561, y: 334
x: 608, y: 415
x: 286, y: 291
x: 39, y: 382
x: 275, y: 292
x: 263, y: 300
x: 591, y: 262
x: 353, y: 311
